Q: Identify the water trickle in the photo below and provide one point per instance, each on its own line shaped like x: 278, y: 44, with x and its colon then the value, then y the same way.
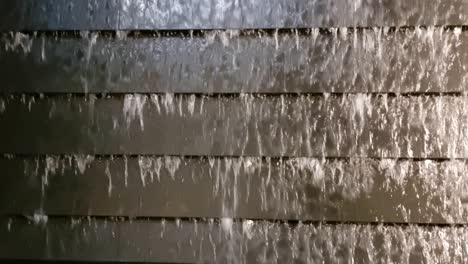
x: 133, y: 108
x: 151, y: 166
x: 82, y: 162
x: 10, y: 222
x: 163, y: 227
x: 247, y: 228
x: 2, y: 106
x: 276, y: 39
x: 226, y: 224
x: 154, y: 98
x: 168, y: 102
x: 126, y: 170
x: 43, y: 54
x: 172, y: 165
x: 121, y: 35
x: 109, y: 179
x: 39, y: 219
x: 361, y: 107
x: 296, y: 34
x: 224, y: 36
x: 30, y: 102
x: 145, y: 168
x: 21, y: 40
x: 51, y: 167
x: 92, y: 39
x: 191, y: 104
x: 343, y: 33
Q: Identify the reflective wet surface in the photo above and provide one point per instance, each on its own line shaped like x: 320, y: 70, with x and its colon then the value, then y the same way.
x: 211, y: 132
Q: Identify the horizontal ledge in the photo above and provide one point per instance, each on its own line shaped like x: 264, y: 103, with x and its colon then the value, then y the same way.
x: 205, y: 14
x: 103, y: 157
x: 40, y: 219
x: 228, y: 95
x: 424, y: 60
x: 357, y: 125
x: 194, y: 33
x: 303, y: 189
x: 245, y: 242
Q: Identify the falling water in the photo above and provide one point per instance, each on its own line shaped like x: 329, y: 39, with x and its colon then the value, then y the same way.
x: 270, y: 242
x: 2, y: 106
x: 354, y: 125
x: 82, y: 162
x: 15, y: 40
x: 133, y: 108
x: 39, y: 218
x: 299, y: 161
x: 281, y: 186
x: 109, y: 178
x: 423, y: 59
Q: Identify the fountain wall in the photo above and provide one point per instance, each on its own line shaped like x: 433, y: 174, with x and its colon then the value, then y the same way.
x: 234, y: 131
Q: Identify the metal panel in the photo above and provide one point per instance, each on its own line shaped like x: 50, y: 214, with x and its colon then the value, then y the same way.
x: 325, y: 126
x: 301, y: 189
x: 191, y: 241
x: 209, y: 14
x: 339, y: 61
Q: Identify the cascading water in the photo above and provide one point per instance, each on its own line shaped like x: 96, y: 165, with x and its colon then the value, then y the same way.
x: 330, y: 143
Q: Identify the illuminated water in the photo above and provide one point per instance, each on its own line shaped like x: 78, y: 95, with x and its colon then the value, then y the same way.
x: 303, y: 178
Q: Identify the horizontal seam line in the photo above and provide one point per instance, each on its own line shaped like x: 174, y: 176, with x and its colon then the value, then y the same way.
x: 197, y: 32
x: 110, y: 95
x: 7, y: 156
x: 217, y: 219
